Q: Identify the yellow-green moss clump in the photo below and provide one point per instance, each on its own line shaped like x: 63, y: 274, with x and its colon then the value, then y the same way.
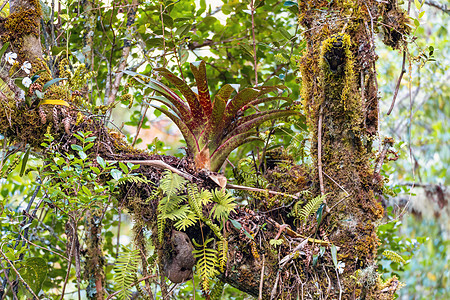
x: 21, y: 23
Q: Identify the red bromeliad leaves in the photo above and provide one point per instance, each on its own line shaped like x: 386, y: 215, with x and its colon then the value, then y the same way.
x: 213, y: 129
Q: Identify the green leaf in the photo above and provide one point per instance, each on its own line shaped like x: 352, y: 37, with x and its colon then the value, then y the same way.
x: 183, y: 55
x: 116, y: 174
x: 86, y: 191
x: 168, y: 21
x: 285, y: 33
x: 290, y: 3
x: 334, y: 255
x: 123, y: 167
x: 236, y: 224
x: 417, y: 4
x: 24, y: 162
x: 82, y: 155
x: 183, y: 30
x: 76, y: 147
x: 34, y: 272
x: 101, y: 162
x: 53, y: 81
x: 4, y: 47
x: 39, y: 94
x: 18, y: 82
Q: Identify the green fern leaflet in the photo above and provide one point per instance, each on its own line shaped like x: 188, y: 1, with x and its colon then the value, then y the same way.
x: 125, y: 272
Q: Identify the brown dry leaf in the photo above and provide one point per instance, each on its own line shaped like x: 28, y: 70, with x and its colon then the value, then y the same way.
x: 202, y: 159
x: 219, y: 179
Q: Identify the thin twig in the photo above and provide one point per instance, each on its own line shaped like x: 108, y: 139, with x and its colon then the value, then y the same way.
x: 261, y: 281
x: 340, y: 186
x: 69, y: 265
x: 319, y: 152
x: 339, y: 283
x: 3, y: 5
x: 397, y: 87
x: 438, y: 5
x: 131, y: 15
x: 46, y: 249
x: 158, y: 164
x: 162, y: 165
x: 10, y: 285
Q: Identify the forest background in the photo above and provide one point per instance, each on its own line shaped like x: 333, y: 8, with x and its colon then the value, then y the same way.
x: 243, y: 43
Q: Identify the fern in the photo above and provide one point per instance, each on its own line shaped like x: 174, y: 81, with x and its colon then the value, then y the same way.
x: 225, y: 204
x: 125, y: 271
x: 217, y: 290
x: 311, y: 207
x: 281, y: 59
x: 169, y: 206
x: 206, y: 263
x: 394, y: 256
x: 133, y: 179
x: 171, y: 183
x: 184, y: 223
x: 222, y: 247
x: 195, y: 202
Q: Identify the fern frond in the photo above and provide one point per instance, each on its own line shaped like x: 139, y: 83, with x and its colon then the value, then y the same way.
x: 217, y: 290
x: 280, y: 58
x: 133, y: 179
x: 311, y: 207
x: 394, y: 256
x: 125, y: 271
x: 168, y: 207
x: 206, y: 263
x: 184, y: 223
x: 222, y: 248
x: 171, y: 183
x: 225, y: 204
x: 204, y: 197
x: 192, y: 191
x: 178, y: 213
x: 155, y: 193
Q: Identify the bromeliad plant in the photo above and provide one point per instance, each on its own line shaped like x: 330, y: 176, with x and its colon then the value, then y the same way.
x: 212, y: 128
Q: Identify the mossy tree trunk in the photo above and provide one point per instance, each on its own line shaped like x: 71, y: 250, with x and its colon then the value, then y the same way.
x: 340, y: 99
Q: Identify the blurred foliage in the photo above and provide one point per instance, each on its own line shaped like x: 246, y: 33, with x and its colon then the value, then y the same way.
x: 221, y: 36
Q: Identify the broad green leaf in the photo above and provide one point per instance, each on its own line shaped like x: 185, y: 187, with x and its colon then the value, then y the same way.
x: 24, y: 162
x: 3, y: 49
x: 53, y: 81
x: 101, y: 162
x: 76, y: 147
x: 334, y: 255
x: 34, y: 273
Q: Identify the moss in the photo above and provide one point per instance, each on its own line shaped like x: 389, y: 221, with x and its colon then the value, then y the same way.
x: 21, y: 23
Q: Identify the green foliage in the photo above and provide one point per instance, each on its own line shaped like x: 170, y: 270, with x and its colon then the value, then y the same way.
x: 169, y: 206
x: 222, y: 249
x: 225, y: 204
x: 206, y: 263
x: 395, y: 257
x: 125, y: 271
x: 308, y: 209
